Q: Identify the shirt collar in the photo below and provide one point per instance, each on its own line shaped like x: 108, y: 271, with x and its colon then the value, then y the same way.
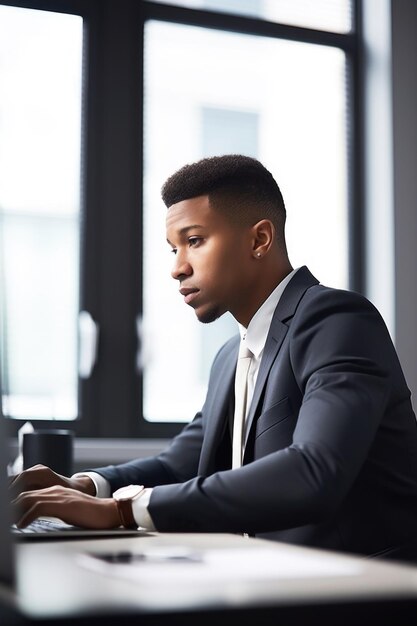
x: 256, y: 333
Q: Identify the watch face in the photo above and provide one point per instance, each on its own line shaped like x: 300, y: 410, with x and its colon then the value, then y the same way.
x: 128, y: 492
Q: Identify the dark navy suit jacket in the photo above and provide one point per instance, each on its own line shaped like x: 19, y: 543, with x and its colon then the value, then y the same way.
x: 331, y: 449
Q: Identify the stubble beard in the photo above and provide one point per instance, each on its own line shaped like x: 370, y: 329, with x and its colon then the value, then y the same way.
x: 210, y: 316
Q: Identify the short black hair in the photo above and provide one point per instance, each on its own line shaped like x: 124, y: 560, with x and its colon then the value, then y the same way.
x: 235, y: 184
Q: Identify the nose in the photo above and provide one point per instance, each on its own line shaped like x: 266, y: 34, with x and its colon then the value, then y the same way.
x: 181, y: 268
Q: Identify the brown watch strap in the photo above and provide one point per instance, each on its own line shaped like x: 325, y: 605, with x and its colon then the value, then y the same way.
x: 125, y: 510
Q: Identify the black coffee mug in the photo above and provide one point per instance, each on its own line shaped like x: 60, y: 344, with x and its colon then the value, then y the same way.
x: 52, y: 447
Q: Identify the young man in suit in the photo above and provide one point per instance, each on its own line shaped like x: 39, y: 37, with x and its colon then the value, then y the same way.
x: 327, y: 454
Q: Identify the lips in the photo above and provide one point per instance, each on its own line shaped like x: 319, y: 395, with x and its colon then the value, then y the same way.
x: 189, y: 294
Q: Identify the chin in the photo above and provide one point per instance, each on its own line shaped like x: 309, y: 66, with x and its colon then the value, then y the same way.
x: 207, y: 317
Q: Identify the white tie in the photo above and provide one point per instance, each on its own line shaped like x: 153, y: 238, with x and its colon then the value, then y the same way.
x: 241, y: 392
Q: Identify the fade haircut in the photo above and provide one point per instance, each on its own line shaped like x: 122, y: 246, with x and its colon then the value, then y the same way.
x: 238, y: 186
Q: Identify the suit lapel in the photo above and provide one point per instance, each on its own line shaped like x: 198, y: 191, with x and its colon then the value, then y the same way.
x: 285, y: 310
x: 217, y: 407
x: 272, y: 346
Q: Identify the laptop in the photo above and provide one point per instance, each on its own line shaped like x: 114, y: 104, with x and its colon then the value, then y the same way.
x: 46, y: 528
x: 42, y: 528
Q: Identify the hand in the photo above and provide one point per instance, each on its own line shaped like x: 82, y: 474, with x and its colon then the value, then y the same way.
x: 69, y: 505
x: 40, y: 476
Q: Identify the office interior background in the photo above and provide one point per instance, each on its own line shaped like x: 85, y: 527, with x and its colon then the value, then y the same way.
x: 100, y: 101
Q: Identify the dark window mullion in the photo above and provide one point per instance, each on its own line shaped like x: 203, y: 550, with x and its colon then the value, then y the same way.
x: 112, y: 392
x: 91, y: 221
x: 76, y: 7
x: 245, y: 25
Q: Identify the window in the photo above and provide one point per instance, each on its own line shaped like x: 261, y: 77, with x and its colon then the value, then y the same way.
x: 163, y: 84
x: 40, y: 133
x: 280, y: 101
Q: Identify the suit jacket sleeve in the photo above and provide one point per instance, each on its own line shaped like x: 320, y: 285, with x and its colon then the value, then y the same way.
x: 178, y: 463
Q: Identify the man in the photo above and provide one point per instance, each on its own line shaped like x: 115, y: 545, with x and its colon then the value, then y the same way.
x: 327, y: 453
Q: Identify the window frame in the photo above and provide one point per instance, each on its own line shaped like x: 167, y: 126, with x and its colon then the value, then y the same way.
x: 110, y: 401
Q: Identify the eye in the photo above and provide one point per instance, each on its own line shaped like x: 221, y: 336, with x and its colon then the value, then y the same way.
x: 173, y: 250
x: 193, y: 242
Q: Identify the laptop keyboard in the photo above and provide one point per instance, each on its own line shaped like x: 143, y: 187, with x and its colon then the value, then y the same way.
x: 43, y: 525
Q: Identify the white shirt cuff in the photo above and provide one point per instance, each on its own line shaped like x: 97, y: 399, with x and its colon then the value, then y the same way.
x: 140, y: 511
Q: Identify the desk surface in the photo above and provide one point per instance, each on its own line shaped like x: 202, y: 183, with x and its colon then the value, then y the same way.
x: 177, y: 573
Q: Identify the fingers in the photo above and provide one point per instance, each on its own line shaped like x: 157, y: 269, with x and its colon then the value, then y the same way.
x: 29, y: 505
x: 31, y: 514
x: 69, y: 505
x: 41, y: 476
x: 36, y: 477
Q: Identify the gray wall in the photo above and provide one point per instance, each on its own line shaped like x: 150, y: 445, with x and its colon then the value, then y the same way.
x: 390, y: 62
x: 404, y: 109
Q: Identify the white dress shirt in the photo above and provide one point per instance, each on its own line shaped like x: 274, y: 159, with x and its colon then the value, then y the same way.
x: 256, y: 333
x: 255, y: 337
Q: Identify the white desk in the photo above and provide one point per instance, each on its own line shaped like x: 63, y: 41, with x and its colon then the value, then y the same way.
x: 235, y: 573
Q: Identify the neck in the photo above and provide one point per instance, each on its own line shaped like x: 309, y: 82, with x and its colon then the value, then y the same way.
x: 266, y: 281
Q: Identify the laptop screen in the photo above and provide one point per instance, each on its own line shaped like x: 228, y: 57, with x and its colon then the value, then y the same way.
x: 6, y: 542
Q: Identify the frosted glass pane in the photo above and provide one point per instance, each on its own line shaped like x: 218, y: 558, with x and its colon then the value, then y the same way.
x: 40, y: 134
x: 282, y: 102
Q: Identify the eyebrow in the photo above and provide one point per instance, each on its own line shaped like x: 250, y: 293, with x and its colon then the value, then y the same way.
x: 183, y: 231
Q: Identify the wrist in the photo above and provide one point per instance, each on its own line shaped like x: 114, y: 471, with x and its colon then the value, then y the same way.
x: 85, y: 485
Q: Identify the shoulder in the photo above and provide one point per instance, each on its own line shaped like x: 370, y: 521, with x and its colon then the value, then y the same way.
x: 338, y: 319
x: 335, y: 301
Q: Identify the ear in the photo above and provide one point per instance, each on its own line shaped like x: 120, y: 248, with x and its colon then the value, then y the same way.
x: 263, y: 236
